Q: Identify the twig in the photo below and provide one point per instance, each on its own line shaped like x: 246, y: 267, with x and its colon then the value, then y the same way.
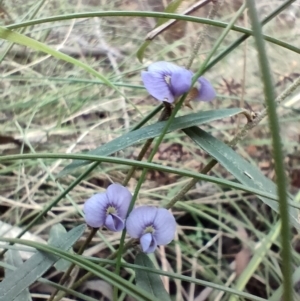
x: 158, y: 30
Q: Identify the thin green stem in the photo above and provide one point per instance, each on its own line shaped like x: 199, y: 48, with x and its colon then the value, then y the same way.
x: 246, y: 31
x: 240, y: 40
x: 277, y: 152
x: 139, y: 185
x: 164, y: 115
x: 152, y: 166
x: 219, y: 41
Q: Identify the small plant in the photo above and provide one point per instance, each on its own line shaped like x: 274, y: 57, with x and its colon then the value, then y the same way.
x: 163, y: 234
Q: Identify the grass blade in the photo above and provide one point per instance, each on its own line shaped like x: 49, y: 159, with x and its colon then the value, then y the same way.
x: 220, y: 24
x: 21, y: 39
x: 97, y: 270
x: 142, y: 164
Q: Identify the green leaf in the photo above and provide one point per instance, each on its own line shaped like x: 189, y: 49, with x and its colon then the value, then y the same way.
x: 36, y: 266
x: 56, y: 232
x: 243, y: 171
x: 171, y: 8
x: 13, y: 258
x: 148, y: 281
x: 151, y: 131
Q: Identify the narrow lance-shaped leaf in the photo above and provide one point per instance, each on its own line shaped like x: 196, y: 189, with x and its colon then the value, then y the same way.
x: 151, y: 131
x: 148, y: 281
x: 241, y: 169
x: 14, y: 258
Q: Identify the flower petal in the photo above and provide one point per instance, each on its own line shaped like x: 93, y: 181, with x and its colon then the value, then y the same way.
x: 156, y: 85
x: 165, y: 226
x: 181, y: 82
x: 95, y: 210
x: 206, y: 91
x: 114, y: 223
x: 148, y: 243
x: 138, y: 219
x: 164, y: 68
x: 119, y: 197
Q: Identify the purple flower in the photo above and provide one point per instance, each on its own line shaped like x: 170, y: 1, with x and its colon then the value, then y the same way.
x: 108, y: 209
x: 166, y: 81
x: 153, y: 226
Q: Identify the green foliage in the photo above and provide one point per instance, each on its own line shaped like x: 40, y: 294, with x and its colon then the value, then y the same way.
x: 244, y: 172
x: 151, y: 131
x: 148, y: 281
x: 18, y: 38
x: 57, y: 99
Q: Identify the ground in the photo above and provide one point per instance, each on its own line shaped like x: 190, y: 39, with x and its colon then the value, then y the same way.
x: 51, y: 106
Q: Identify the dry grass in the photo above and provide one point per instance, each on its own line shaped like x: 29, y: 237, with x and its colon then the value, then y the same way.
x: 51, y: 106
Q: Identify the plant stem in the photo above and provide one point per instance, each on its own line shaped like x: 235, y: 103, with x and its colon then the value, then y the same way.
x: 164, y: 116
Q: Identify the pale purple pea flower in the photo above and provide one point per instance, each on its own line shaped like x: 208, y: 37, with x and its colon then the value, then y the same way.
x: 166, y: 81
x: 109, y: 208
x: 152, y: 226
